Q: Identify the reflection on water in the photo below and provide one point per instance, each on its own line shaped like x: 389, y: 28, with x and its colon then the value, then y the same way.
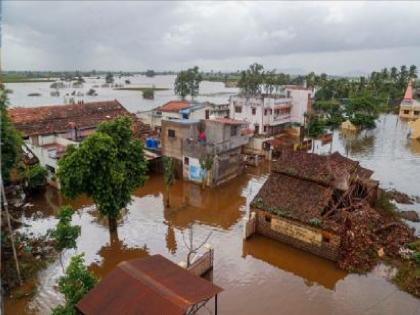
x: 309, y: 267
x: 260, y: 276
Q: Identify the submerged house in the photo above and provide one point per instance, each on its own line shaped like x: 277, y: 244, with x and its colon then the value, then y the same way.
x: 190, y: 140
x: 409, y: 107
x: 300, y: 201
x: 48, y: 130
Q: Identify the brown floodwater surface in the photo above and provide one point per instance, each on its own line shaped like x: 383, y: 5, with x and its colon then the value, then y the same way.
x: 259, y: 276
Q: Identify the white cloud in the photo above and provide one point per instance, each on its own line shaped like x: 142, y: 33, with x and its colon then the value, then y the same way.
x: 214, y: 35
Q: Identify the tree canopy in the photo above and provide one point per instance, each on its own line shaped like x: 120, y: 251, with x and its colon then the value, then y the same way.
x: 11, y: 140
x: 107, y: 166
x: 187, y: 82
x: 76, y: 282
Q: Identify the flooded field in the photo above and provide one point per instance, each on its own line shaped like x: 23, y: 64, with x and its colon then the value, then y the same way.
x: 132, y: 100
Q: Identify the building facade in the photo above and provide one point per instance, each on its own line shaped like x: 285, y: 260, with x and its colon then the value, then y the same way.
x: 189, y: 141
x: 269, y: 114
x: 409, y: 107
x: 48, y: 130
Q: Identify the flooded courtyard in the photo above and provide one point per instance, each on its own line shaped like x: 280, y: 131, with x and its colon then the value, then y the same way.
x: 259, y: 276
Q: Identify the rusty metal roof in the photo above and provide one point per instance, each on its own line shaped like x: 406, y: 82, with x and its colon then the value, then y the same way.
x: 153, y: 285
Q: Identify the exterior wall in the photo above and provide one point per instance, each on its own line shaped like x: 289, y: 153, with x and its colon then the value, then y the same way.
x: 192, y: 170
x: 410, y: 111
x: 301, y: 103
x: 261, y: 113
x: 174, y: 146
x: 327, y: 248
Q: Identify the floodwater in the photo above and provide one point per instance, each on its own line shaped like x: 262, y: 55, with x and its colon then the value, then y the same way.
x: 259, y: 276
x: 215, y: 92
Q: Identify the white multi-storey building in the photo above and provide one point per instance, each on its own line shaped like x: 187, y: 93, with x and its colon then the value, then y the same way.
x: 269, y: 114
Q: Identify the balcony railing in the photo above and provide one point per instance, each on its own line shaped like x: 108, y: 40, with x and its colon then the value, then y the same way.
x: 196, y: 148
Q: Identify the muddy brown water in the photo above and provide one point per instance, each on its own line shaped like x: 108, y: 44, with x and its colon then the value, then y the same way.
x: 259, y: 276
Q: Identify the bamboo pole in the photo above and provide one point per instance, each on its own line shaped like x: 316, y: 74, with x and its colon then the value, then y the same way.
x: 12, y: 238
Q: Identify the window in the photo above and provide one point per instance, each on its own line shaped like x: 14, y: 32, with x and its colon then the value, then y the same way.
x: 233, y: 130
x: 186, y: 160
x: 406, y: 112
x: 238, y: 109
x: 416, y: 112
x: 257, y: 129
x: 265, y: 128
x: 265, y: 112
x: 288, y: 94
x: 254, y: 111
x: 171, y: 133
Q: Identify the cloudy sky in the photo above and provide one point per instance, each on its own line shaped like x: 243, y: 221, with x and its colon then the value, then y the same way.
x: 323, y: 37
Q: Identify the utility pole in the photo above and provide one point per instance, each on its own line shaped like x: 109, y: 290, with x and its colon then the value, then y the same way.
x: 12, y: 237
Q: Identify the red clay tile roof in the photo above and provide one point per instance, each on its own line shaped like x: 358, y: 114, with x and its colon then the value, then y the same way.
x: 59, y: 118
x: 174, y: 106
x: 153, y: 285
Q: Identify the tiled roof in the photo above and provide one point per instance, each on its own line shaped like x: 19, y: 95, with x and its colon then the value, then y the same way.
x: 59, y: 118
x: 330, y: 170
x: 293, y: 197
x: 174, y: 106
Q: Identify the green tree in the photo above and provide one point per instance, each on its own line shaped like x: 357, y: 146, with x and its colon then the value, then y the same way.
x: 150, y: 73
x: 65, y: 234
x: 187, y: 82
x: 74, y: 285
x: 11, y: 141
x: 35, y: 177
x: 149, y: 93
x: 107, y: 166
x: 206, y: 164
x: 252, y: 79
x: 168, y: 175
x: 109, y: 78
x: 412, y: 72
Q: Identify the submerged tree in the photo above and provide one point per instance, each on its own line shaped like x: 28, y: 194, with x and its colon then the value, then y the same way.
x: 65, y: 234
x: 168, y: 175
x: 109, y: 78
x: 74, y: 285
x: 188, y: 82
x: 206, y: 164
x: 107, y: 166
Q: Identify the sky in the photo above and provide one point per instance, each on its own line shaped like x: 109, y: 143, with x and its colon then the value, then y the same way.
x: 295, y: 37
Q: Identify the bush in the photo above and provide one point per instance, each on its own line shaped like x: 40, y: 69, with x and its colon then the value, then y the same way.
x: 149, y: 94
x: 74, y: 285
x: 35, y: 177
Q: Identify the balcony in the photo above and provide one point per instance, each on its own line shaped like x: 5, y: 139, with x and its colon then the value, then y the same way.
x: 196, y: 149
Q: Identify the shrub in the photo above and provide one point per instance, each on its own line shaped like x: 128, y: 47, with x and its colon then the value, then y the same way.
x: 36, y: 177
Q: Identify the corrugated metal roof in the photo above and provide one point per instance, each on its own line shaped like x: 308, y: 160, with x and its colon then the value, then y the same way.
x: 153, y: 285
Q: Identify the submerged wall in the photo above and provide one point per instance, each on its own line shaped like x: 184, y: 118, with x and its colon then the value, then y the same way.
x: 314, y: 240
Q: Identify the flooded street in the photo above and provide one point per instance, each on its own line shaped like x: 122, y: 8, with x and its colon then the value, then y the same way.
x: 259, y: 276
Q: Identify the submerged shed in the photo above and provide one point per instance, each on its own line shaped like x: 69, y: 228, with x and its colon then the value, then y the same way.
x: 153, y: 285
